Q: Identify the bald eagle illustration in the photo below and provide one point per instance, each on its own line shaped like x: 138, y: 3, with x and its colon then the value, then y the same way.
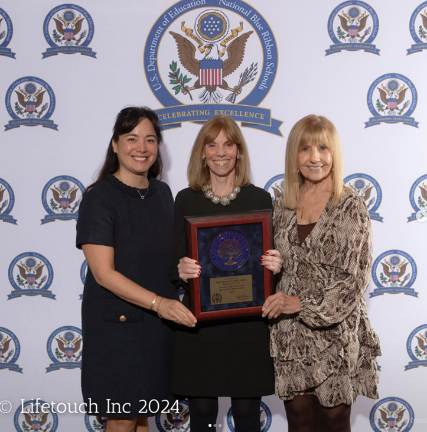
x: 29, y: 105
x: 187, y: 55
x: 392, y: 103
x: 354, y: 30
x: 69, y: 33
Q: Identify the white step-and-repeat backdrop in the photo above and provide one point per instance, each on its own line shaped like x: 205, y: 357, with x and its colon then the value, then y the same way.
x: 68, y: 69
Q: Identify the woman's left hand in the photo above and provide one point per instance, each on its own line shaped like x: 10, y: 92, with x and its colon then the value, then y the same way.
x: 272, y: 259
x: 280, y: 303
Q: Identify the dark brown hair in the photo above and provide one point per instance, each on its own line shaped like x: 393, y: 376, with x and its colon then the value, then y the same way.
x: 127, y: 120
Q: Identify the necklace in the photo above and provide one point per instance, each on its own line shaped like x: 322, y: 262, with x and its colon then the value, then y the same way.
x: 225, y: 200
x: 143, y: 196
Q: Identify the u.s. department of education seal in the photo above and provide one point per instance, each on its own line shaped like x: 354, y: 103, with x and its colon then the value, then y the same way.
x: 68, y: 29
x: 6, y: 33
x: 392, y: 414
x: 265, y: 417
x: 7, y: 201
x: 35, y: 415
x: 96, y: 424
x: 390, y: 101
x: 229, y: 250
x: 275, y: 186
x: 416, y: 347
x: 176, y: 420
x: 30, y: 101
x: 64, y: 348
x: 418, y: 199
x: 353, y: 26
x: 225, y: 62
x: 10, y: 349
x: 369, y: 189
x: 418, y: 29
x: 61, y: 198
x: 394, y: 272
x: 83, y: 272
x: 30, y: 274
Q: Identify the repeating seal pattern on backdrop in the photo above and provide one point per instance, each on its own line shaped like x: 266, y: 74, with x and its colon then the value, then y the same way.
x: 369, y: 189
x: 418, y: 199
x: 10, y: 349
x: 418, y: 29
x: 390, y: 102
x: 68, y: 29
x: 30, y: 101
x: 61, y: 198
x: 416, y: 346
x: 353, y: 26
x: 96, y: 424
x: 224, y: 49
x: 229, y: 250
x: 275, y: 186
x: 173, y: 421
x: 30, y: 274
x: 83, y: 273
x: 6, y: 33
x: 35, y: 415
x: 391, y: 414
x: 265, y: 417
x: 396, y: 274
x: 64, y: 348
x: 7, y: 201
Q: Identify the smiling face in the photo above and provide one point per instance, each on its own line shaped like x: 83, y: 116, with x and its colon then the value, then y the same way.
x: 221, y: 155
x: 136, y: 152
x: 315, y: 161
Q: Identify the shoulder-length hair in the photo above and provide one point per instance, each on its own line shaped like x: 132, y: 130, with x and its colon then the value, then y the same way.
x: 198, y: 172
x: 127, y: 120
x: 311, y: 129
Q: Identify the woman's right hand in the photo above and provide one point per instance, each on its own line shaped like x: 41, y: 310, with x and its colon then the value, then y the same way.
x: 188, y: 269
x: 175, y: 311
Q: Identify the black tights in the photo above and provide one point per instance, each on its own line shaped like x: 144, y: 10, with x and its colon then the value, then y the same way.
x: 204, y: 411
x: 305, y: 414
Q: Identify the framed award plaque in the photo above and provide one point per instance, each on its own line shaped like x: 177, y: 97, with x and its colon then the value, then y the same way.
x: 228, y: 248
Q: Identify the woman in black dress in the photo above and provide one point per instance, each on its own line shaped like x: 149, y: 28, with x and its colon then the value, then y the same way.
x: 125, y: 228
x: 229, y: 357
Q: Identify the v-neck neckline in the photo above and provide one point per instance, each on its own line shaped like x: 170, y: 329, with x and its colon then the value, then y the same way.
x: 314, y: 231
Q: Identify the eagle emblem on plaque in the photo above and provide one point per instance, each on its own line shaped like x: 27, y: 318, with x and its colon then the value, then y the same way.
x: 211, y: 27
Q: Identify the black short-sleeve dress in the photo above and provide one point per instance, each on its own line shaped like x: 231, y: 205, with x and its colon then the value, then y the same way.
x: 127, y: 349
x: 229, y: 357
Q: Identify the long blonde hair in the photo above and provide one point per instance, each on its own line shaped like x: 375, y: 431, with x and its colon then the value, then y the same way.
x: 198, y: 172
x: 311, y: 129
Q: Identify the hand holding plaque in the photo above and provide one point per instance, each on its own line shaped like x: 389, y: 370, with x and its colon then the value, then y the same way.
x: 228, y: 247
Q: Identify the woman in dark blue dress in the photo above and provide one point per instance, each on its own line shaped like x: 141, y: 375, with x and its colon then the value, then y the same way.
x: 125, y: 229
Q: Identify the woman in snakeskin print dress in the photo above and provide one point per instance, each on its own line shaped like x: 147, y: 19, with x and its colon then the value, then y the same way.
x: 322, y: 342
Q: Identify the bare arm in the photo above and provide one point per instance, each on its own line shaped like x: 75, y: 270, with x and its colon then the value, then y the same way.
x: 101, y: 263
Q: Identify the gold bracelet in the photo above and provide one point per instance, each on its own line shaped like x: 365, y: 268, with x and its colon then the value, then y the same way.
x: 154, y: 301
x: 158, y: 306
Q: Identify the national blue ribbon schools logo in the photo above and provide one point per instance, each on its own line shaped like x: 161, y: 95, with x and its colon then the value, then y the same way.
x: 35, y: 415
x: 204, y: 50
x: 390, y: 101
x: 353, y: 26
x: 10, y: 349
x: 173, y: 420
x: 30, y: 101
x: 30, y: 274
x: 416, y: 347
x: 391, y: 414
x: 96, y: 424
x: 265, y: 417
x: 394, y: 272
x: 369, y: 189
x: 61, y: 198
x: 7, y: 201
x: 64, y: 348
x: 418, y: 29
x: 275, y: 186
x: 418, y: 199
x: 68, y: 29
x: 83, y: 272
x: 6, y: 33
